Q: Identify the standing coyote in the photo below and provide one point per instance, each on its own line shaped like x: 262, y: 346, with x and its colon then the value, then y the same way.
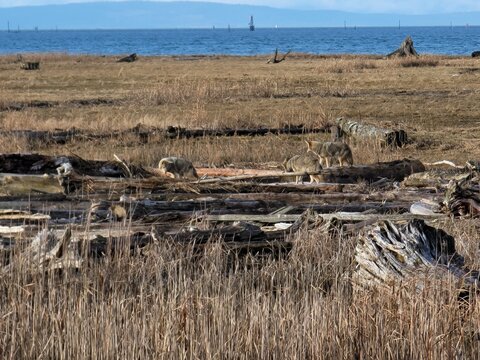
x: 177, y: 168
x: 327, y: 151
x: 307, y: 162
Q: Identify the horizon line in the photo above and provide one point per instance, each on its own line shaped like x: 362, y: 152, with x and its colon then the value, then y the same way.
x: 354, y: 27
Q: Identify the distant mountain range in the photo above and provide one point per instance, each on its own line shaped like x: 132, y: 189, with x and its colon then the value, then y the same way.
x: 184, y: 14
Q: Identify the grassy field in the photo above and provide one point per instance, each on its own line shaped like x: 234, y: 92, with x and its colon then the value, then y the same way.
x: 175, y: 303
x: 434, y: 99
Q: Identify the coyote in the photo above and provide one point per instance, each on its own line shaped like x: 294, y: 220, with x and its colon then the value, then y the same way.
x: 177, y: 168
x: 327, y: 151
x: 307, y: 162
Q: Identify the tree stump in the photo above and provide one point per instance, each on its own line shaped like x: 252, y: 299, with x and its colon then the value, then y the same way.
x: 405, y: 49
x: 389, y: 253
x: 462, y: 198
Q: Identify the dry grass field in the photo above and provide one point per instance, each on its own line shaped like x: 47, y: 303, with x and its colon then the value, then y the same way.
x: 435, y: 99
x: 176, y: 303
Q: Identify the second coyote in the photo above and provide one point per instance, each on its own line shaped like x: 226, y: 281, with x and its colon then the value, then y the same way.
x: 177, y: 168
x: 327, y: 151
x: 308, y: 163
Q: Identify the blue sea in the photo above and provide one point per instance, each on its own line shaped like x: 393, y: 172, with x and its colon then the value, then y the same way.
x: 374, y: 40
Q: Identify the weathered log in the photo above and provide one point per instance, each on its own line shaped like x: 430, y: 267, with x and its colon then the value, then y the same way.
x: 174, y: 132
x: 341, y: 216
x: 31, y: 65
x: 130, y: 58
x: 463, y: 197
x: 439, y: 178
x: 45, y: 164
x: 389, y: 253
x: 394, y: 170
x: 27, y: 184
x: 156, y: 211
x: 48, y: 252
x: 145, y: 134
x: 385, y: 137
x: 405, y: 49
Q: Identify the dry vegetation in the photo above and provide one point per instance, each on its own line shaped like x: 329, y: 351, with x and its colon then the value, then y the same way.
x: 176, y: 303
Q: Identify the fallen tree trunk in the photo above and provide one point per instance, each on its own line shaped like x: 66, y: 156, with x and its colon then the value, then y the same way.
x: 174, y: 132
x: 340, y: 216
x: 393, y: 170
x: 148, y: 134
x: 388, y: 254
x: 386, y: 137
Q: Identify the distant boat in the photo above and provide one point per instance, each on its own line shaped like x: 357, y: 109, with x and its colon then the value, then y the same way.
x: 251, y: 26
x: 228, y: 27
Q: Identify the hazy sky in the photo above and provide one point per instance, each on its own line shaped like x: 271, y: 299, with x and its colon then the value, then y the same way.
x: 366, y: 6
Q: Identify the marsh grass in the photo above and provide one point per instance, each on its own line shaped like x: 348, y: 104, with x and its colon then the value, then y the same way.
x: 174, y: 302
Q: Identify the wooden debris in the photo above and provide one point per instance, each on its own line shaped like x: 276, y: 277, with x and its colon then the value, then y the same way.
x: 385, y: 137
x: 389, y: 253
x: 47, y: 252
x: 143, y: 133
x: 275, y: 59
x: 130, y: 58
x: 31, y: 65
x: 393, y: 170
x: 174, y: 132
x: 405, y: 49
x: 340, y: 216
x: 28, y: 184
x: 463, y: 197
x: 438, y: 179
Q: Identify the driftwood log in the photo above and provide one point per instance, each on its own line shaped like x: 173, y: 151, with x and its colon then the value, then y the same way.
x: 394, y: 170
x: 143, y: 133
x: 391, y: 253
x: 31, y: 65
x: 130, y: 58
x: 463, y: 197
x: 405, y: 49
x: 174, y: 132
x: 386, y: 137
x: 275, y: 59
x: 46, y: 252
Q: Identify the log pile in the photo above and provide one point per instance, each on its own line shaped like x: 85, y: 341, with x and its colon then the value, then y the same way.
x: 91, y: 209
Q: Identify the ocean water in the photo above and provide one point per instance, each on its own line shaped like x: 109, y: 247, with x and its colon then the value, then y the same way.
x: 378, y: 40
